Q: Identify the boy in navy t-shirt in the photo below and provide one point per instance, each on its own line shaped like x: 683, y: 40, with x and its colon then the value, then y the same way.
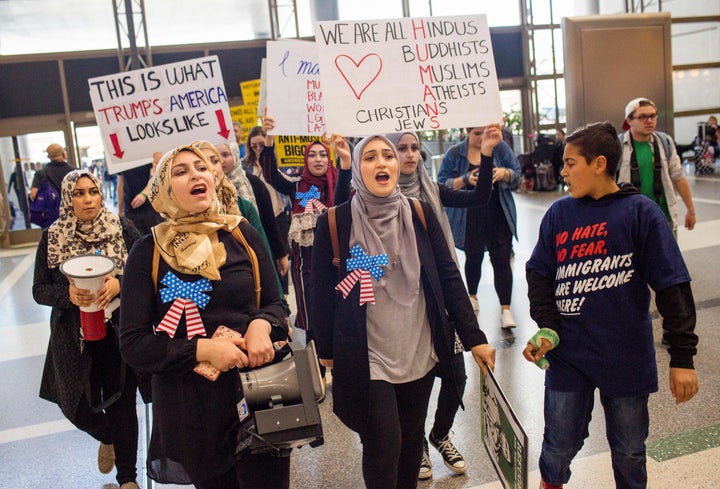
x: 597, y: 254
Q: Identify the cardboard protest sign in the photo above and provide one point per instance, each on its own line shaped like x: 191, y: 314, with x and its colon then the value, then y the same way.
x: 250, y: 90
x: 409, y: 74
x: 263, y: 88
x: 245, y: 115
x: 294, y: 99
x: 290, y: 150
x: 503, y: 435
x: 158, y: 108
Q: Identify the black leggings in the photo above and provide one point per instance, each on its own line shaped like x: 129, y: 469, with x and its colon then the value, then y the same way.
x: 499, y: 246
x: 393, y: 440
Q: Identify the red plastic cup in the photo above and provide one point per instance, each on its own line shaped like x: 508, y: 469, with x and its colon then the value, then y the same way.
x: 93, y: 325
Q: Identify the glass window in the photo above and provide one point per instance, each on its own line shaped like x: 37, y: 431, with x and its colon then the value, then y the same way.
x: 696, y: 89
x: 498, y: 13
x: 369, y: 9
x: 692, y: 9
x: 695, y: 43
x: 543, y: 52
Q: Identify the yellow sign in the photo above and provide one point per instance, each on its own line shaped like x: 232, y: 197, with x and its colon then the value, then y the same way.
x: 290, y: 150
x: 246, y: 116
x: 251, y: 92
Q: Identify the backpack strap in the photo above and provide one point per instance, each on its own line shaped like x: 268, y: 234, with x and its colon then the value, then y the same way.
x: 253, y: 261
x: 240, y: 238
x: 332, y: 225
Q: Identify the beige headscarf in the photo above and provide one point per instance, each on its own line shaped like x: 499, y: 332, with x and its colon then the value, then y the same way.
x: 223, y: 188
x: 238, y: 177
x: 184, y: 238
x: 69, y: 236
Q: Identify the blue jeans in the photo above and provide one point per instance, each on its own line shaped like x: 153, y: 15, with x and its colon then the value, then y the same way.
x: 567, y: 415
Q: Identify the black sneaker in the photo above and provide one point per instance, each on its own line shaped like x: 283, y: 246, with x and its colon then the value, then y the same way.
x: 452, y: 458
x: 425, y: 464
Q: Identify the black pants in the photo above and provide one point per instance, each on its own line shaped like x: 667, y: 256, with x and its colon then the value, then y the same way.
x: 499, y: 246
x: 253, y: 472
x: 393, y: 440
x: 448, y: 401
x: 117, y: 425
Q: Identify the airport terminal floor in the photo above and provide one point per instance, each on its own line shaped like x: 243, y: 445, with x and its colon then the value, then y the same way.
x: 40, y: 449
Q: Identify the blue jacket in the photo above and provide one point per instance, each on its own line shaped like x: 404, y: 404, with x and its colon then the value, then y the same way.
x: 455, y: 164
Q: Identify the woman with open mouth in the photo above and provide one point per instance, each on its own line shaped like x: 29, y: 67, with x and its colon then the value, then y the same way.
x: 192, y: 275
x: 382, y: 320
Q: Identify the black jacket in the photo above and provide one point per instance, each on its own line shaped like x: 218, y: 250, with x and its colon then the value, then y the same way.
x: 339, y: 324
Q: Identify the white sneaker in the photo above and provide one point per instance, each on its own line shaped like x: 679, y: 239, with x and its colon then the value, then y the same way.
x: 507, y: 319
x: 475, y: 305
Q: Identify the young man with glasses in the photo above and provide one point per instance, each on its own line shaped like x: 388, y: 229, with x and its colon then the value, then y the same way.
x: 650, y: 162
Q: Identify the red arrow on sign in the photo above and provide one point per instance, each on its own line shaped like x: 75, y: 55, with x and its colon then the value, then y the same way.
x: 116, y: 146
x: 224, y: 131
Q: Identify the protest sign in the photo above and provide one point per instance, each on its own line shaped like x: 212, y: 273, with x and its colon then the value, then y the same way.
x: 409, y: 74
x: 290, y: 150
x: 250, y: 90
x: 263, y: 88
x: 294, y: 99
x: 503, y: 436
x: 245, y: 115
x: 156, y: 109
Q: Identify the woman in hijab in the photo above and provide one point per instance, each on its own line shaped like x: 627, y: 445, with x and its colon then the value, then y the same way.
x: 415, y: 182
x: 382, y: 321
x: 252, y: 188
x: 90, y: 382
x: 230, y: 202
x: 201, y: 278
x: 311, y: 194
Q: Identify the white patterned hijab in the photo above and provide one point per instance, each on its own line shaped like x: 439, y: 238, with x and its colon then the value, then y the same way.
x: 69, y: 236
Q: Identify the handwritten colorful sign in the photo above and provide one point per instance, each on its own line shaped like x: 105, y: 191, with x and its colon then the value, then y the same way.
x: 294, y: 98
x: 407, y: 74
x: 158, y: 108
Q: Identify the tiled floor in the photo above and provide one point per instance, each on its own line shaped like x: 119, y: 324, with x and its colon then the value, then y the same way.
x: 39, y: 449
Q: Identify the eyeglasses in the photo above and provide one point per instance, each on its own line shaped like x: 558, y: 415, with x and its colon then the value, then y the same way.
x: 257, y: 145
x: 646, y: 117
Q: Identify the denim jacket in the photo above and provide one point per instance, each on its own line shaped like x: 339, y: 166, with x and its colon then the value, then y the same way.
x: 455, y: 164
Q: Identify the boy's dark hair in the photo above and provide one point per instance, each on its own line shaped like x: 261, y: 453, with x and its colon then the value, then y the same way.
x: 593, y: 140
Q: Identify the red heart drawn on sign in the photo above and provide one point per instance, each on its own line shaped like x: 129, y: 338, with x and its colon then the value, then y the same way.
x: 361, y: 74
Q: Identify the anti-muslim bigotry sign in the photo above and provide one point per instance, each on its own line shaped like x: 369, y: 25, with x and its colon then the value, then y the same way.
x: 408, y: 74
x: 156, y: 109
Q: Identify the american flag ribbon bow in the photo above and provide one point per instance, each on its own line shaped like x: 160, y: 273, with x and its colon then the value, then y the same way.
x: 186, y: 297
x: 362, y: 267
x: 310, y: 200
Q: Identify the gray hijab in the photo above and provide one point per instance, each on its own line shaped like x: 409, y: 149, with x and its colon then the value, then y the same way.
x: 420, y: 186
x: 384, y: 225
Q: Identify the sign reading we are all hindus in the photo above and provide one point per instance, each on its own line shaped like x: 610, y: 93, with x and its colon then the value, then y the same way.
x: 156, y: 109
x: 408, y: 74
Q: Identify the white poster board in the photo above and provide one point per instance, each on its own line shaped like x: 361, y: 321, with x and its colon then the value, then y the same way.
x: 156, y: 109
x: 294, y: 98
x: 409, y: 74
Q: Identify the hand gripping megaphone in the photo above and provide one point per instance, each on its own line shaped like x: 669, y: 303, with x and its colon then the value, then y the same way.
x: 88, y: 272
x: 278, y: 406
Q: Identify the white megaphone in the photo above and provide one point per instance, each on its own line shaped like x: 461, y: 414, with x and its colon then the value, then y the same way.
x: 88, y: 272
